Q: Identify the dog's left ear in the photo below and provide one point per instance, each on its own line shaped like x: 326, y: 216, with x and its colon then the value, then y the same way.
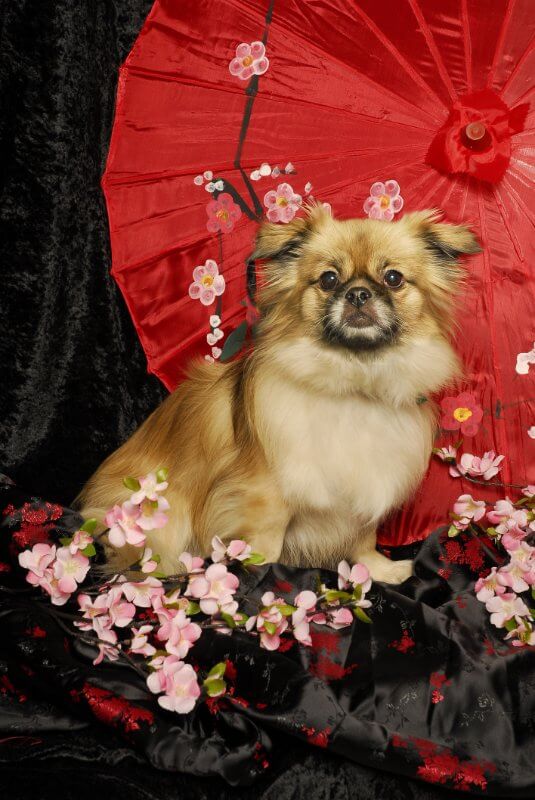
x: 447, y: 242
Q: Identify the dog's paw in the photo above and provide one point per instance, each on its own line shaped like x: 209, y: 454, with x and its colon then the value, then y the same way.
x: 396, y: 572
x: 385, y: 570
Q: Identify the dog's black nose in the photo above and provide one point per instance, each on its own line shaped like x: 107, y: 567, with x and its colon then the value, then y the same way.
x: 358, y: 296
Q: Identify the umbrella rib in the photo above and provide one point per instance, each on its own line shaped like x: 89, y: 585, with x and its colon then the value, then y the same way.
x: 520, y: 202
x: 500, y: 439
x: 527, y: 52
x: 402, y: 61
x: 500, y: 40
x: 467, y: 44
x: 433, y: 49
x: 506, y: 222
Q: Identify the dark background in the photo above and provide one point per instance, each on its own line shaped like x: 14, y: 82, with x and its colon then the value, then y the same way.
x: 73, y: 376
x: 73, y: 379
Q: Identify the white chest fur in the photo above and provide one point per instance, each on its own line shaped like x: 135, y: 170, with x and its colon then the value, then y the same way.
x: 350, y: 454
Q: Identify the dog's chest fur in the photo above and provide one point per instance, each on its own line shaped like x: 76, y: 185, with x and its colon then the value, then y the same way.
x: 350, y: 454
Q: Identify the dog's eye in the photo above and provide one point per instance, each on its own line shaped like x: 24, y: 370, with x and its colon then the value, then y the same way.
x: 393, y: 279
x: 329, y: 281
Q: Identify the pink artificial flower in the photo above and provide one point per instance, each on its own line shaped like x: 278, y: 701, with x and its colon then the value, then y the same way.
x: 523, y: 361
x: 148, y: 564
x: 448, y: 453
x: 37, y: 561
x: 384, y: 200
x: 192, y: 563
x: 69, y: 569
x: 461, y: 413
x: 149, y: 486
x: 106, y: 650
x: 306, y: 599
x: 140, y: 642
x: 522, y: 635
x: 468, y: 509
x: 529, y: 491
x: 215, y: 590
x: 486, y: 467
x: 177, y: 631
x: 505, y: 516
x: 178, y: 681
x: 271, y: 614
x: 121, y: 612
x: 152, y: 515
x: 341, y: 618
x: 222, y: 213
x: 282, y: 204
x: 92, y: 608
x: 207, y: 283
x: 301, y: 627
x: 357, y: 575
x: 250, y: 60
x: 237, y: 550
x: 80, y: 541
x: 123, y: 525
x: 143, y: 594
x: 504, y: 607
x: 486, y: 588
x: 511, y: 540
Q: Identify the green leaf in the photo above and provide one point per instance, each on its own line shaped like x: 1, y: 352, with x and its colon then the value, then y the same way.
x: 361, y: 614
x: 65, y: 540
x: 89, y: 525
x: 215, y: 688
x: 511, y: 624
x: 132, y: 483
x: 332, y: 594
x: 491, y: 532
x: 286, y: 610
x: 453, y: 531
x: 533, y: 592
x: 218, y: 671
x: 162, y: 474
x: 159, y: 575
x: 234, y: 342
x: 357, y: 592
x: 192, y: 609
x: 254, y: 558
x: 270, y: 627
x: 228, y: 619
x: 89, y: 550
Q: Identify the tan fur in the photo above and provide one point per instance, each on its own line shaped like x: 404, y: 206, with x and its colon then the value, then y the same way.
x: 303, y: 446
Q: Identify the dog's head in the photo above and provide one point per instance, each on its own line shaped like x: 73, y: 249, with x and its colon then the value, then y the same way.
x: 361, y: 288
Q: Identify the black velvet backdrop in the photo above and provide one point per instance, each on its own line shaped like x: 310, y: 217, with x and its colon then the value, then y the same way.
x: 73, y: 381
x: 73, y: 375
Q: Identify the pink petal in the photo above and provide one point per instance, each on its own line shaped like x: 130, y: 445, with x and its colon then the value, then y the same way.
x: 235, y: 66
x: 377, y: 189
x: 207, y: 295
x: 211, y: 267
x: 243, y: 50
x: 194, y: 291
x: 261, y: 66
x: 392, y: 188
x: 257, y: 49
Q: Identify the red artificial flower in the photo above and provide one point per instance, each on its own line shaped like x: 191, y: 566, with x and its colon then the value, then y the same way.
x: 461, y: 413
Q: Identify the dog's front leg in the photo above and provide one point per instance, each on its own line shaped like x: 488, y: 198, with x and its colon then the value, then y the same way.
x: 381, y: 568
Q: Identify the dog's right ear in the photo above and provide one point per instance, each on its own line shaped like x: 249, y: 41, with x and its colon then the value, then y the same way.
x: 284, y: 241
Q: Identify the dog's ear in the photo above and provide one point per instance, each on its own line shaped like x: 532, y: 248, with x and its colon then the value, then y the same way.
x: 447, y: 242
x: 444, y: 243
x: 284, y: 241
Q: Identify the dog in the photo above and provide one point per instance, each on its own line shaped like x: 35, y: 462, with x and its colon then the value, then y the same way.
x: 305, y: 444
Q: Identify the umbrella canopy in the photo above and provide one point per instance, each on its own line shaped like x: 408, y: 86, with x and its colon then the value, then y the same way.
x: 232, y: 111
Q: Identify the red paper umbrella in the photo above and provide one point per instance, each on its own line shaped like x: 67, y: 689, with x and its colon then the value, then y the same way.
x: 232, y: 110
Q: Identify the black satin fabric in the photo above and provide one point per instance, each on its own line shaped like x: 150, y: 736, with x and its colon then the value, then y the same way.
x: 429, y: 690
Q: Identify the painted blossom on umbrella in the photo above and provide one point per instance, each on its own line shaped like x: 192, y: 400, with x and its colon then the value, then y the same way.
x: 282, y: 204
x: 524, y: 361
x: 207, y: 283
x: 222, y: 213
x: 250, y: 59
x: 384, y: 200
x: 461, y: 413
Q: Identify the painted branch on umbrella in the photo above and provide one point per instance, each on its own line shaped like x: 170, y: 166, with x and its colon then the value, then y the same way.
x: 153, y: 622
